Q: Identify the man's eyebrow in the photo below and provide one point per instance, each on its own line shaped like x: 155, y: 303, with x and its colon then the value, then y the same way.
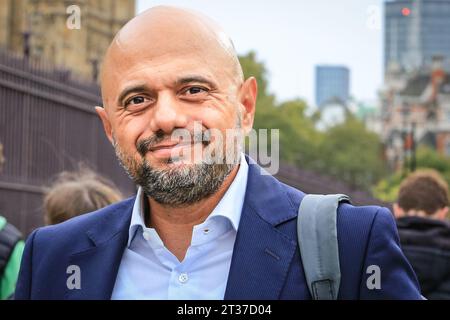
x: 140, y: 87
x: 198, y: 79
x: 131, y: 89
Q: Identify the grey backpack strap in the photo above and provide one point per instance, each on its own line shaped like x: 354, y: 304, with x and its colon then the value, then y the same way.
x: 317, y: 237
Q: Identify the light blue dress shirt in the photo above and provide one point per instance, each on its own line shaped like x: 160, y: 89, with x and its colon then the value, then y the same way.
x: 148, y: 270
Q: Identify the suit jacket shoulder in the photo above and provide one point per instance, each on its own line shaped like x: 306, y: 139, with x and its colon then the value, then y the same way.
x: 368, y: 243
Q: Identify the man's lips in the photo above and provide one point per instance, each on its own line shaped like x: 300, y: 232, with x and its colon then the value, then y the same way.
x: 164, y: 146
x: 166, y: 150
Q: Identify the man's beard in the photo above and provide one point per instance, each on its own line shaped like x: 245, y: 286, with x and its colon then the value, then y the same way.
x: 182, y: 184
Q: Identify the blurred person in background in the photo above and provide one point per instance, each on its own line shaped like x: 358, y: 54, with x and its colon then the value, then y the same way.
x: 11, y: 249
x: 421, y: 212
x: 76, y: 193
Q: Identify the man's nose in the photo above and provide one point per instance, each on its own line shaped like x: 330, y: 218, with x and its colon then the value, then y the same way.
x: 168, y: 114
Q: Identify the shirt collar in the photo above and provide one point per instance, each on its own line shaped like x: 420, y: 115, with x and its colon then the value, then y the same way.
x: 229, y: 207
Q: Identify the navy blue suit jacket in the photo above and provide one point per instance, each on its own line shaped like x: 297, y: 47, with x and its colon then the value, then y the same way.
x: 266, y: 262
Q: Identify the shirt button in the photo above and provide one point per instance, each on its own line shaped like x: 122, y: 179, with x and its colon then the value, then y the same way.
x: 183, y: 278
x: 146, y: 235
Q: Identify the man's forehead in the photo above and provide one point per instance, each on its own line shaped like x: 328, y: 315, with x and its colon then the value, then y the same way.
x: 164, y: 35
x: 167, y: 30
x: 162, y: 75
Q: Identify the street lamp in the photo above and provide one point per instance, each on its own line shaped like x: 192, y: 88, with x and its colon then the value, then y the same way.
x: 413, y: 147
x: 405, y: 115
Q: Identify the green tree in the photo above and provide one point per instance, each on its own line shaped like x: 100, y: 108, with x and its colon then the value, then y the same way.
x: 352, y: 153
x: 387, y: 189
x: 426, y: 158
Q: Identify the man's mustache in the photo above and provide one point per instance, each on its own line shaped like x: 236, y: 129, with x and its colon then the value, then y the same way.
x: 144, y: 145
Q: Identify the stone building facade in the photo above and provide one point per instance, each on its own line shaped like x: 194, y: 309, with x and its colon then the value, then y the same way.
x: 47, y: 29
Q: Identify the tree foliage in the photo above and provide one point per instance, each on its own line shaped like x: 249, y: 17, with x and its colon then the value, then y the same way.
x: 347, y: 151
x: 426, y: 158
x: 353, y: 154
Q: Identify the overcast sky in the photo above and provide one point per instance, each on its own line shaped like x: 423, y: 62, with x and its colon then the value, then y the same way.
x: 292, y: 36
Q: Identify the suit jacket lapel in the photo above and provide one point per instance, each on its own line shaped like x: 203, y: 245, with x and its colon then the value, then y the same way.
x: 100, y: 263
x: 262, y: 254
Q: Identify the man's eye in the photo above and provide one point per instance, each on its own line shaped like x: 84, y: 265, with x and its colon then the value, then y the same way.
x: 135, y: 101
x: 195, y: 90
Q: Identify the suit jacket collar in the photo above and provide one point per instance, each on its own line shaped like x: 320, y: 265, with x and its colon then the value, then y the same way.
x: 268, y: 196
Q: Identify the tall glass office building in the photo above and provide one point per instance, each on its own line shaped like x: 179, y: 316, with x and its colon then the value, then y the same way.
x: 416, y: 31
x: 332, y: 85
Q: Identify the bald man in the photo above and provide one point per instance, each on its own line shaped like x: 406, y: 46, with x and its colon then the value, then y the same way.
x: 206, y: 222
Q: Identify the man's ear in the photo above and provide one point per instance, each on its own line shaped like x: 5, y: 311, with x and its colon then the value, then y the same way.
x: 398, y: 212
x: 106, y: 123
x: 247, y: 97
